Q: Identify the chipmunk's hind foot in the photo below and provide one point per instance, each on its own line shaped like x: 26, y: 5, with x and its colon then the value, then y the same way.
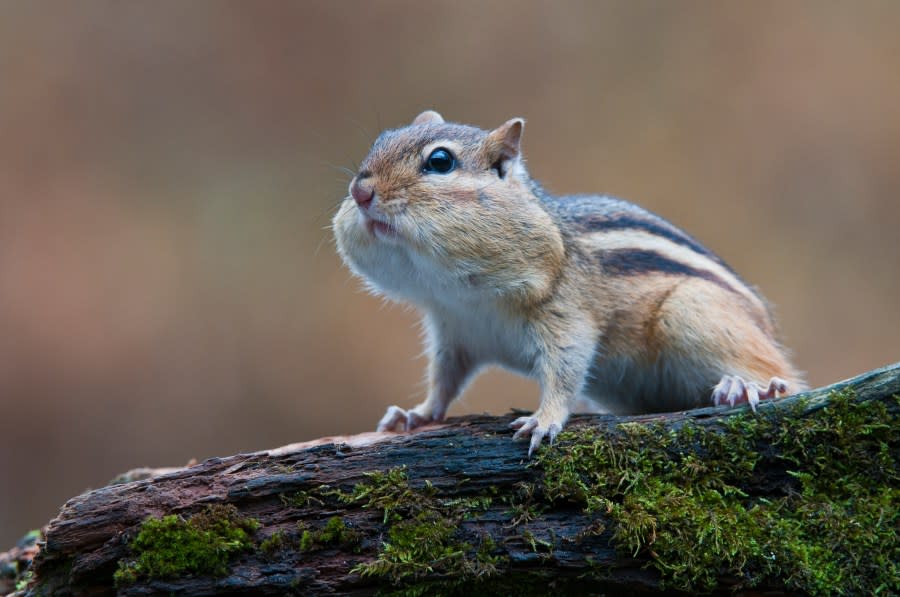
x: 735, y: 390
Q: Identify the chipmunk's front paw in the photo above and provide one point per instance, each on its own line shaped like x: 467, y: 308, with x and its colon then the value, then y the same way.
x: 398, y: 419
x: 734, y: 390
x: 539, y: 427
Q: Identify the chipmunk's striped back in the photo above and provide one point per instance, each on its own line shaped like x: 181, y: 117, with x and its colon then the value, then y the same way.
x: 627, y: 240
x: 614, y: 225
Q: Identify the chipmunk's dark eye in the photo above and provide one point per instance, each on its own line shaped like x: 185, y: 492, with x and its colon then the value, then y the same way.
x: 440, y: 161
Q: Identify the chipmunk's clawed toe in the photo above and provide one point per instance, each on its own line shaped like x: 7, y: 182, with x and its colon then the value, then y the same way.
x: 399, y: 419
x: 733, y: 390
x: 532, y: 425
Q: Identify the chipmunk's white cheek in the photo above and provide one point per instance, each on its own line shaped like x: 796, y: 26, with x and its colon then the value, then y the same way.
x: 350, y: 231
x: 340, y: 220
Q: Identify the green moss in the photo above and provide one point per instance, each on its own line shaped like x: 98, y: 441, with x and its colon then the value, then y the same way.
x: 273, y: 543
x: 388, y: 491
x: 31, y: 537
x: 335, y: 533
x: 524, y: 506
x: 300, y: 499
x: 426, y: 545
x: 172, y: 546
x: 469, y: 505
x: 422, y: 534
x: 537, y: 545
x: 680, y: 497
x: 23, y: 580
x: 417, y: 547
x: 307, y: 542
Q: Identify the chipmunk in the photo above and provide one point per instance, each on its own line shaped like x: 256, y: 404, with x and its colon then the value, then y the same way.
x: 593, y: 296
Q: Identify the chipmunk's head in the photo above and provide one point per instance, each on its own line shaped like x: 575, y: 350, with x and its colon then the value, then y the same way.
x: 448, y: 204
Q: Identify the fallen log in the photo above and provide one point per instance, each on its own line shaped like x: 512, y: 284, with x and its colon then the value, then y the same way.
x: 799, y: 498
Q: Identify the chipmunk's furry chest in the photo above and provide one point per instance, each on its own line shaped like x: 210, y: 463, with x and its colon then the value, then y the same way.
x: 486, y: 333
x: 457, y: 308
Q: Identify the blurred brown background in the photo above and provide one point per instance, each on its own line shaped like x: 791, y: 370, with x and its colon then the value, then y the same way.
x: 168, y: 285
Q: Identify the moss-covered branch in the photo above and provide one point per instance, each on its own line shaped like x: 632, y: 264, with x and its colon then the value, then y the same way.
x: 800, y: 498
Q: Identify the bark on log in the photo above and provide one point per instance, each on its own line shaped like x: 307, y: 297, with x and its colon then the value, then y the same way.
x: 469, y: 469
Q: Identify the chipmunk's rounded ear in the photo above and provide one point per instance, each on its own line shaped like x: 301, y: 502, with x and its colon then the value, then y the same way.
x: 504, y: 145
x: 429, y: 117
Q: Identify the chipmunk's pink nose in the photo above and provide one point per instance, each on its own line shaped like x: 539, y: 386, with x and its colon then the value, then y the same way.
x: 362, y: 193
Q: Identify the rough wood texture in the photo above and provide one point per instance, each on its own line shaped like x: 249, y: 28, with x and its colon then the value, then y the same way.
x: 466, y: 457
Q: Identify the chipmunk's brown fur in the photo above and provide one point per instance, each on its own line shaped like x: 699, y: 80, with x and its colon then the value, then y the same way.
x: 595, y: 297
